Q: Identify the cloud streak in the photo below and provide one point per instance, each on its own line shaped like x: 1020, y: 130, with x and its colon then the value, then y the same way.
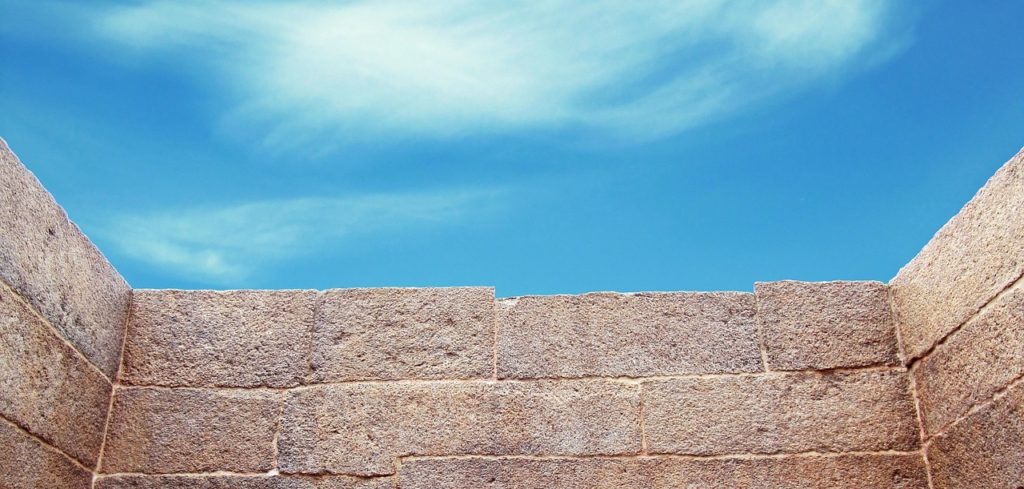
x: 227, y: 244
x: 312, y: 72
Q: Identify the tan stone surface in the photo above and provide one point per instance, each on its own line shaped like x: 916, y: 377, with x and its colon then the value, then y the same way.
x: 823, y: 325
x: 48, y: 260
x: 191, y: 430
x: 25, y: 463
x: 608, y: 334
x: 245, y: 338
x: 973, y: 257
x: 46, y: 387
x: 841, y: 472
x: 396, y: 333
x: 778, y: 413
x: 242, y: 482
x: 984, y: 450
x: 974, y: 363
x: 362, y: 428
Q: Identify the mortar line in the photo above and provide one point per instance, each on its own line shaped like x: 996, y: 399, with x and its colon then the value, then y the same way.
x: 643, y: 422
x: 53, y: 330
x: 116, y: 385
x: 669, y: 456
x: 996, y: 396
x: 921, y: 434
x: 900, y: 351
x: 760, y: 332
x: 227, y: 473
x: 46, y: 444
x: 277, y: 436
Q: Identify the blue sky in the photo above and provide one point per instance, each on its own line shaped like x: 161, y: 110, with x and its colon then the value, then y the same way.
x: 539, y: 147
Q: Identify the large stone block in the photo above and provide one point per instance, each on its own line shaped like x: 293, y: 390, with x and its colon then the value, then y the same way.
x: 395, y: 333
x: 634, y: 335
x: 245, y: 338
x: 46, y: 386
x: 804, y: 472
x: 159, y: 431
x: 972, y: 258
x: 974, y: 363
x: 362, y: 428
x: 242, y: 482
x: 781, y: 413
x: 47, y: 260
x: 26, y: 463
x: 983, y: 450
x: 823, y: 325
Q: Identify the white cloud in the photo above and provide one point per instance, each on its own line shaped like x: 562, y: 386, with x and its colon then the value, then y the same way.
x: 226, y: 244
x: 312, y: 72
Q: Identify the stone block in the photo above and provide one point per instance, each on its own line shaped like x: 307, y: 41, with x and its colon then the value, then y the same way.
x: 984, y: 450
x: 26, y: 463
x: 160, y: 431
x: 396, y: 333
x: 47, y: 260
x: 824, y: 325
x: 904, y: 471
x: 972, y: 258
x: 628, y: 335
x: 781, y: 413
x: 46, y: 386
x: 243, y: 338
x: 199, y: 481
x: 974, y: 363
x: 362, y: 428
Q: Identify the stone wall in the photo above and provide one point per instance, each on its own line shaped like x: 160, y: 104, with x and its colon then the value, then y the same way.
x: 797, y: 385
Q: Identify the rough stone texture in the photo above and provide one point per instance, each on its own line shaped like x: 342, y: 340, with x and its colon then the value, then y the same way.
x: 47, y: 387
x: 47, y: 260
x: 773, y: 413
x: 607, y: 334
x: 974, y: 363
x: 823, y: 325
x: 242, y: 338
x: 973, y: 257
x: 985, y: 449
x: 395, y: 333
x: 25, y: 463
x: 242, y: 482
x: 362, y: 428
x: 160, y: 431
x: 841, y: 472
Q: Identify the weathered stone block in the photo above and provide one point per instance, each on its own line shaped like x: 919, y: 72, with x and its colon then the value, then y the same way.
x: 242, y: 482
x: 973, y: 257
x: 803, y: 472
x: 48, y: 261
x: 823, y: 325
x: 244, y: 338
x: 361, y: 428
x: 159, y: 431
x: 984, y: 450
x: 46, y: 386
x: 974, y: 363
x: 776, y: 413
x: 25, y: 463
x: 395, y: 333
x: 608, y: 334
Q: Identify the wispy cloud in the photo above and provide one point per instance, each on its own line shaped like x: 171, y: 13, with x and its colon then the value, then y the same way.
x: 227, y: 244
x: 320, y: 71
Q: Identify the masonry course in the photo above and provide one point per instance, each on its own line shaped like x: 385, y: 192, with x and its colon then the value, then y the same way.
x: 847, y: 384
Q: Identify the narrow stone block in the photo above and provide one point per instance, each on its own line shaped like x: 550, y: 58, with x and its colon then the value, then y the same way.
x: 781, y: 413
x: 973, y: 257
x: 362, y: 428
x: 823, y: 325
x: 159, y: 431
x: 242, y: 338
x: 634, y: 335
x: 974, y: 363
x: 25, y: 463
x: 46, y: 386
x: 984, y: 450
x: 242, y: 482
x: 394, y: 333
x: 804, y: 472
x: 47, y: 260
